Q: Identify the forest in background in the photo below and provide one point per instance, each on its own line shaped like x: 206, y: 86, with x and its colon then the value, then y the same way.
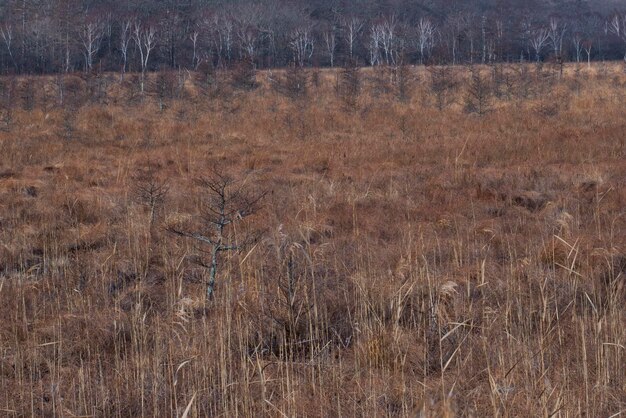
x: 56, y: 36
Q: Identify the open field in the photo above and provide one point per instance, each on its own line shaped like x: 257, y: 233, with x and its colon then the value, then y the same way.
x: 426, y: 243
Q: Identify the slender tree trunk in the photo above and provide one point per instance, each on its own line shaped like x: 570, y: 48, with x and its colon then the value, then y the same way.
x: 210, y: 289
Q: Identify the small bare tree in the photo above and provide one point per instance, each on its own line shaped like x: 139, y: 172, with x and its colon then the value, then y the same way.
x: 478, y: 95
x: 226, y: 202
x: 295, y: 82
x: 349, y: 85
x: 151, y: 192
x: 443, y: 85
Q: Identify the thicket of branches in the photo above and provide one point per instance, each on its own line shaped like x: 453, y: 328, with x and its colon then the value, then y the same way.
x: 52, y: 36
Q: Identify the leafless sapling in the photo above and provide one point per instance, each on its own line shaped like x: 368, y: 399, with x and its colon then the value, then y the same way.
x: 349, y: 85
x: 151, y: 193
x: 478, y: 95
x: 443, y: 85
x: 295, y: 82
x: 226, y: 201
x: 404, y: 81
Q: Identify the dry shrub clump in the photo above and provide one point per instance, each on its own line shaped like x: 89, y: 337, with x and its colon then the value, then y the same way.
x: 431, y: 241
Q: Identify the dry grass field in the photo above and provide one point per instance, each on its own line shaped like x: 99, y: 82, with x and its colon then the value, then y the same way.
x: 413, y: 253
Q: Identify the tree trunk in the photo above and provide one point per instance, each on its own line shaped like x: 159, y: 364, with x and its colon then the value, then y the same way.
x: 210, y: 289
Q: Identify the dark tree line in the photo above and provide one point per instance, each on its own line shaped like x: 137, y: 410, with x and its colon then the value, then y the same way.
x: 55, y: 36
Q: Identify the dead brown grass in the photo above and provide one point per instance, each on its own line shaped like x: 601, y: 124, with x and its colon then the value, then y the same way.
x: 412, y: 260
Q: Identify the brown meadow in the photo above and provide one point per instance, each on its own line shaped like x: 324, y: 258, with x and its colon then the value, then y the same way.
x: 413, y: 255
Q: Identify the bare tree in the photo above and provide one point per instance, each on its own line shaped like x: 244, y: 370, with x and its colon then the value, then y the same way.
x: 617, y: 26
x: 425, y: 37
x: 376, y: 36
x: 151, y: 193
x: 538, y: 40
x: 388, y: 39
x: 248, y: 32
x: 556, y: 34
x: 587, y: 46
x: 145, y: 40
x: 249, y: 38
x: 470, y: 35
x: 330, y: 40
x: 194, y: 37
x: 455, y: 26
x: 224, y: 36
x: 67, y: 12
x: 125, y: 38
x: 349, y: 85
x: 577, y: 41
x: 302, y: 45
x: 483, y: 32
x: 226, y: 202
x: 294, y: 84
x: 478, y: 94
x: 352, y: 27
x: 90, y: 34
x: 209, y: 40
x: 6, y: 31
x: 443, y: 85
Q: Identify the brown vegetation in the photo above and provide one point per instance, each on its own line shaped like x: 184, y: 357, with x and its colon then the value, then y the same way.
x: 410, y: 257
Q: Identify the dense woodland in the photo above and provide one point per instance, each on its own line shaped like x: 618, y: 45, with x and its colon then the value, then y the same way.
x: 55, y: 36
